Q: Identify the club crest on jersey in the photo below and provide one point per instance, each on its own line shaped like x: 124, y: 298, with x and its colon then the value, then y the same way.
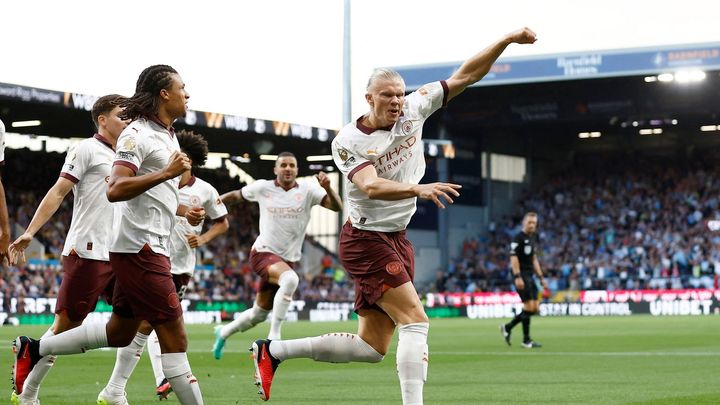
x: 407, y: 127
x: 194, y: 201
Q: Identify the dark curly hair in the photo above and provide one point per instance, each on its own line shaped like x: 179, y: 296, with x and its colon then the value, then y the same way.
x: 194, y: 145
x: 146, y: 101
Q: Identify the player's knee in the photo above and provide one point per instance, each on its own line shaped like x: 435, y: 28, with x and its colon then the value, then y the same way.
x: 289, y: 280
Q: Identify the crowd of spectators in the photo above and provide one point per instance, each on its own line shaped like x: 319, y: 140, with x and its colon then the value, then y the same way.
x: 626, y: 224
x: 631, y: 223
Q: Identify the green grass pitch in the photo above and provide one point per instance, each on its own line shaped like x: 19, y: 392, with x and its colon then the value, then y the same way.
x: 611, y: 360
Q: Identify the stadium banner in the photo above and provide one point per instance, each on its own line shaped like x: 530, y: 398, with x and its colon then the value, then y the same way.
x: 41, y: 311
x: 79, y: 101
x: 577, y: 65
x: 483, y: 305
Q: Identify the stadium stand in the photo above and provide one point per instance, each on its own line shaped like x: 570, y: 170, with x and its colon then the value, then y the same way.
x: 631, y: 223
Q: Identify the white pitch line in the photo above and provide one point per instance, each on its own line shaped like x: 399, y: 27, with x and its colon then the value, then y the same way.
x: 533, y: 352
x: 540, y: 352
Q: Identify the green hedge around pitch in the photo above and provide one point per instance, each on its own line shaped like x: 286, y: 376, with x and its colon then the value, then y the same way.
x: 613, y: 360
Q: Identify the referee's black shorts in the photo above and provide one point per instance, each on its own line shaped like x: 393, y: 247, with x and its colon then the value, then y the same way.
x: 530, y: 292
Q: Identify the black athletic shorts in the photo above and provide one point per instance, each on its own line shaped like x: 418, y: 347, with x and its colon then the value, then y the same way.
x: 530, y: 292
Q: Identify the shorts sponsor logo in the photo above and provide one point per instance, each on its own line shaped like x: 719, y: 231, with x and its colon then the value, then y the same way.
x: 89, y: 246
x: 107, y: 179
x: 363, y: 220
x: 394, y: 268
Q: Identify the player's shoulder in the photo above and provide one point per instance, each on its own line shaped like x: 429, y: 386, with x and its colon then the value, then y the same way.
x: 349, y: 131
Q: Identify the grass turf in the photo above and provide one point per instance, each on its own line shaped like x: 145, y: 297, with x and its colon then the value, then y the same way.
x: 609, y: 360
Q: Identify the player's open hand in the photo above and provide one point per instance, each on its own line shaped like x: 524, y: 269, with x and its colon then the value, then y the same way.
x: 16, y: 251
x: 435, y: 191
x: 177, y: 164
x: 195, y: 215
x: 523, y: 36
x: 323, y: 179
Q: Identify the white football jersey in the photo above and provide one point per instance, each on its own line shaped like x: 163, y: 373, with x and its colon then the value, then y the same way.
x: 284, y: 215
x: 196, y: 193
x: 2, y: 143
x: 396, y: 153
x: 88, y: 165
x: 145, y: 147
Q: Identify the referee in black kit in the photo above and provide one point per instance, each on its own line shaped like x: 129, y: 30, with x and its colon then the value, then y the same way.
x: 524, y: 263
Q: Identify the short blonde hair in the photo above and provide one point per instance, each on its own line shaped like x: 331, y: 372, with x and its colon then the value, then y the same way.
x: 383, y: 74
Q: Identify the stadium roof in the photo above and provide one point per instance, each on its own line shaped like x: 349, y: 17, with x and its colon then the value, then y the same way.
x: 66, y: 114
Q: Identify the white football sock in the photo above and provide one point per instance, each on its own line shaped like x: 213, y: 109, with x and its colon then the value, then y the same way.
x: 126, y: 360
x: 288, y: 283
x: 246, y: 320
x: 177, y: 370
x: 38, y: 373
x: 412, y: 361
x: 153, y: 348
x: 332, y: 347
x: 77, y: 340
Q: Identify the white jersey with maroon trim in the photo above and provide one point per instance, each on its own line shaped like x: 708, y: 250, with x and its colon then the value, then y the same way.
x: 284, y: 215
x: 197, y: 193
x: 88, y: 165
x: 145, y: 147
x: 396, y: 153
x: 2, y: 143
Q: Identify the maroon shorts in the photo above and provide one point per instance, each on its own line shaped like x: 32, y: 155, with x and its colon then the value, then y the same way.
x: 144, y: 287
x: 260, y: 261
x: 376, y: 261
x: 84, y: 281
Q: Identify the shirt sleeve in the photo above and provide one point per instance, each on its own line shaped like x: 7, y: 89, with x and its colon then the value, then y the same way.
x: 427, y: 99
x: 251, y: 192
x: 214, y: 207
x: 2, y: 143
x: 347, y: 161
x: 316, y: 193
x: 130, y: 151
x: 515, y: 246
x: 76, y: 163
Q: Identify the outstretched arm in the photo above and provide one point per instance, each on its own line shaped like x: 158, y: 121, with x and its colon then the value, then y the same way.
x: 332, y: 200
x: 377, y: 188
x: 477, y: 66
x: 49, y: 204
x: 232, y: 197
